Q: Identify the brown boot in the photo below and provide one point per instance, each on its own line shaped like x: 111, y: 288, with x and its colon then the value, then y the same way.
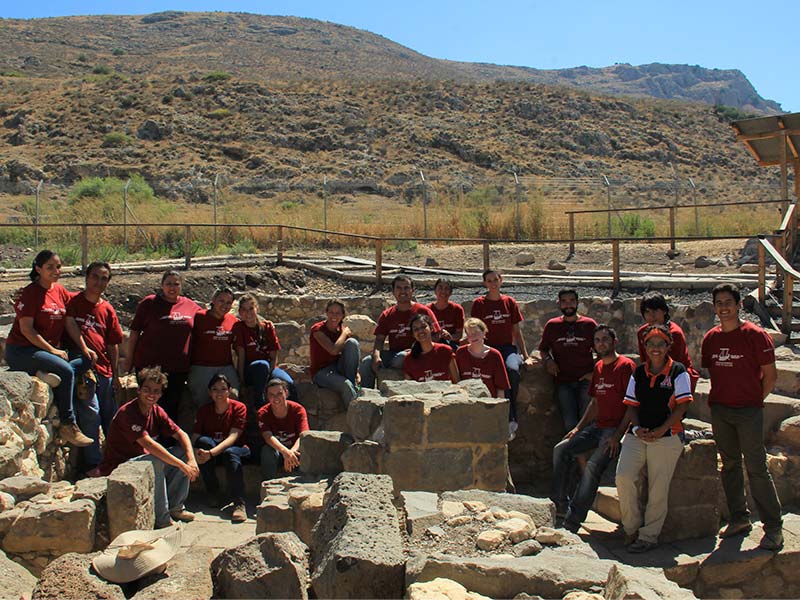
x: 239, y: 513
x: 72, y: 435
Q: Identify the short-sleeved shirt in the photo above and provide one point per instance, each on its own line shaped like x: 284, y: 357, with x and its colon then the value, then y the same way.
x: 608, y: 387
x: 450, y: 318
x: 657, y: 394
x: 491, y: 369
x: 500, y: 317
x: 212, y: 339
x: 734, y: 360
x: 571, y: 344
x: 433, y: 366
x: 287, y: 429
x: 394, y: 325
x: 218, y: 426
x: 678, y: 350
x: 99, y: 327
x: 257, y: 342
x: 47, y: 307
x: 130, y: 425
x: 166, y: 333
x: 318, y: 356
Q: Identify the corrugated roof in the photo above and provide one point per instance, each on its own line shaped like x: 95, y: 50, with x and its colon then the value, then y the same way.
x: 763, y: 137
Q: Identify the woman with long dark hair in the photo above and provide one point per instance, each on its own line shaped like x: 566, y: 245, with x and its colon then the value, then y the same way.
x: 428, y: 361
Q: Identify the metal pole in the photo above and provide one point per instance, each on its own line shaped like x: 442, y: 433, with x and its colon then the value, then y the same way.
x: 216, y: 183
x: 84, y: 247
x: 517, y: 219
x: 325, y: 206
x: 36, y: 217
x: 424, y: 205
x: 608, y: 199
x: 615, y: 264
x: 187, y: 248
x: 125, y: 215
x: 571, y: 234
x: 696, y: 213
x: 378, y: 263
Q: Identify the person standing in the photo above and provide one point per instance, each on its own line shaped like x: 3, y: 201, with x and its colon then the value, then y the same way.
x: 566, y: 349
x: 334, y: 354
x: 449, y: 315
x: 740, y: 357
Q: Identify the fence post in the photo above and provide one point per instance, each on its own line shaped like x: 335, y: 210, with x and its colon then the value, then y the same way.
x: 486, y: 265
x: 84, y: 247
x: 615, y: 263
x: 788, y: 300
x: 672, y: 228
x: 279, y: 255
x: 378, y: 263
x: 187, y: 253
x: 36, y: 218
x: 571, y: 234
x: 762, y: 273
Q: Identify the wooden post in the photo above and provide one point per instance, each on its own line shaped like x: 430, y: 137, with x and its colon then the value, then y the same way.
x: 762, y: 273
x: 672, y: 228
x: 615, y: 263
x: 378, y: 263
x: 788, y: 298
x: 84, y: 247
x: 486, y: 265
x: 572, y: 234
x: 279, y: 255
x: 784, y: 171
x: 187, y: 253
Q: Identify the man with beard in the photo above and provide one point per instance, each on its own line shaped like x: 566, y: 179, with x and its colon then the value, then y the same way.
x: 566, y: 349
x: 600, y: 429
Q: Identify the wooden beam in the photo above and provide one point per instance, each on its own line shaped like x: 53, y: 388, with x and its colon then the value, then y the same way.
x: 752, y: 137
x: 753, y: 152
x: 784, y: 170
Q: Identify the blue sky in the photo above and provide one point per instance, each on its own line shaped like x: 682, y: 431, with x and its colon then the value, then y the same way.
x: 545, y: 35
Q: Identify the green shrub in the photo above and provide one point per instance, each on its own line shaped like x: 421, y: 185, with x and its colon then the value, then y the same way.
x: 167, y: 99
x: 101, y: 70
x: 99, y: 187
x: 118, y: 52
x: 115, y: 139
x: 127, y: 101
x: 82, y: 58
x: 219, y: 114
x: 632, y: 225
x: 217, y: 76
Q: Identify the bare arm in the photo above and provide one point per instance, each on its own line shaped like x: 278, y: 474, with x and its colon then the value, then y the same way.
x: 675, y: 416
x: 154, y: 448
x: 519, y: 340
x: 71, y: 325
x: 133, y: 340
x: 291, y: 456
x: 769, y: 375
x: 454, y: 371
x: 588, y: 416
x: 204, y: 455
x: 376, y: 352
x: 333, y: 347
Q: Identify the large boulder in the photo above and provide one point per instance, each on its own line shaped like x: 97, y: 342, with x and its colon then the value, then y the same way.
x: 15, y: 580
x: 130, y: 498
x: 23, y: 487
x: 187, y: 576
x: 53, y: 527
x: 71, y: 577
x: 321, y: 451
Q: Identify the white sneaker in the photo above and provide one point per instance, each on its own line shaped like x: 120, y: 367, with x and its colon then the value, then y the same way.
x: 50, y: 379
x: 513, y: 426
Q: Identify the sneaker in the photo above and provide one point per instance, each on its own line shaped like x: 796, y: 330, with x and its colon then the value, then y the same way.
x: 772, y: 541
x: 239, y: 513
x: 50, y: 379
x: 630, y: 538
x: 72, y: 435
x: 182, y: 515
x: 640, y: 546
x: 736, y: 528
x: 513, y: 426
x: 164, y: 525
x: 571, y: 526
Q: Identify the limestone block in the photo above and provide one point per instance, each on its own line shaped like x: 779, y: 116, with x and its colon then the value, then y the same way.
x: 41, y: 397
x: 7, y: 501
x: 441, y: 589
x: 403, y: 421
x: 319, y: 401
x: 274, y: 515
x: 10, y: 460
x: 54, y: 527
x: 540, y: 510
x: 363, y: 457
x: 491, y: 539
x: 335, y: 422
x: 362, y: 326
x: 728, y: 565
x: 306, y: 515
x: 387, y: 375
x: 188, y: 575
x: 71, y: 577
x: 421, y: 510
x: 29, y: 464
x: 289, y: 333
x: 91, y: 488
x: 432, y: 469
x: 474, y: 388
x: 788, y: 381
x: 130, y: 498
x: 364, y: 415
x: 321, y: 451
x: 23, y: 488
x: 404, y: 387
x: 788, y: 433
x: 526, y: 548
x: 487, y: 420
x: 15, y: 580
x: 626, y: 582
x: 491, y: 467
x: 357, y: 551
x: 698, y: 460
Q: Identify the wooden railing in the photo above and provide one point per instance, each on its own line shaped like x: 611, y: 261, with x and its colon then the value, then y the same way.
x: 781, y: 253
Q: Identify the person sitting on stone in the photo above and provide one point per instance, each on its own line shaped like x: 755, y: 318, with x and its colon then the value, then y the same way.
x: 334, y: 354
x: 393, y: 324
x: 218, y: 437
x: 427, y: 360
x: 600, y: 430
x: 658, y: 394
x: 280, y: 422
x: 131, y: 437
x: 449, y: 315
x: 479, y: 361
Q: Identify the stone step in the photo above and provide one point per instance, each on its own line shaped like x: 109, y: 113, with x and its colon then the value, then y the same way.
x: 788, y: 382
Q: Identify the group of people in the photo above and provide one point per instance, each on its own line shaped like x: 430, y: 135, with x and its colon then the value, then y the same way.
x: 609, y: 406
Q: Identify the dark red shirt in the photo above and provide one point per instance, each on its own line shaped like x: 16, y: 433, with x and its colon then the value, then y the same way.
x: 734, y: 360
x: 46, y: 307
x: 287, y: 429
x: 500, y: 317
x: 99, y: 327
x: 130, y: 425
x: 609, y: 383
x: 678, y: 350
x: 490, y: 369
x: 166, y: 333
x: 257, y: 342
x: 212, y: 339
x: 433, y: 366
x: 571, y: 344
x: 450, y: 318
x: 394, y: 324
x: 318, y: 356
x: 218, y: 426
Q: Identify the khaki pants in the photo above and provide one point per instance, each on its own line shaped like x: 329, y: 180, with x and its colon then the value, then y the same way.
x: 660, y: 458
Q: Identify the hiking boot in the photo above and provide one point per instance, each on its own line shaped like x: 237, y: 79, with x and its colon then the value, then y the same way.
x: 640, y: 546
x: 772, y: 541
x: 182, y: 515
x: 630, y: 538
x: 736, y: 528
x: 50, y: 379
x: 72, y: 435
x: 239, y: 513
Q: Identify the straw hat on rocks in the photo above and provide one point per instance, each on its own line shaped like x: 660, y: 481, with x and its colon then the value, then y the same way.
x: 137, y: 553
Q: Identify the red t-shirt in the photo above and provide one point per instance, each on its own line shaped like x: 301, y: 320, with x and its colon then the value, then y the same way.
x: 450, y: 318
x: 129, y: 425
x: 166, y: 333
x: 287, y: 429
x: 394, y: 324
x: 734, y: 360
x: 257, y: 342
x: 218, y: 426
x: 570, y: 343
x: 318, y: 356
x: 490, y: 369
x: 99, y: 327
x: 46, y: 307
x: 212, y: 339
x: 500, y: 317
x: 433, y: 366
x: 609, y: 383
x: 678, y: 351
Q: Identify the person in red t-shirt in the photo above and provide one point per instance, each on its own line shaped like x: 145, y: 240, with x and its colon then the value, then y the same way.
x: 212, y: 346
x: 34, y: 344
x: 334, y: 354
x: 94, y: 330
x: 600, y: 429
x: 566, y: 350
x: 655, y: 311
x: 428, y: 361
x: 281, y: 422
x: 393, y: 324
x: 479, y: 361
x: 740, y: 357
x: 161, y: 334
x: 131, y: 437
x: 217, y: 437
x: 449, y: 315
x: 257, y: 346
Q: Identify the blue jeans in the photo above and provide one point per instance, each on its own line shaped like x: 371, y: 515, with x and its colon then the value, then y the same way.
x: 31, y: 359
x: 513, y: 379
x: 340, y: 376
x: 94, y: 413
x: 573, y: 398
x: 171, y: 486
x: 258, y: 373
x: 389, y: 358
x: 231, y: 458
